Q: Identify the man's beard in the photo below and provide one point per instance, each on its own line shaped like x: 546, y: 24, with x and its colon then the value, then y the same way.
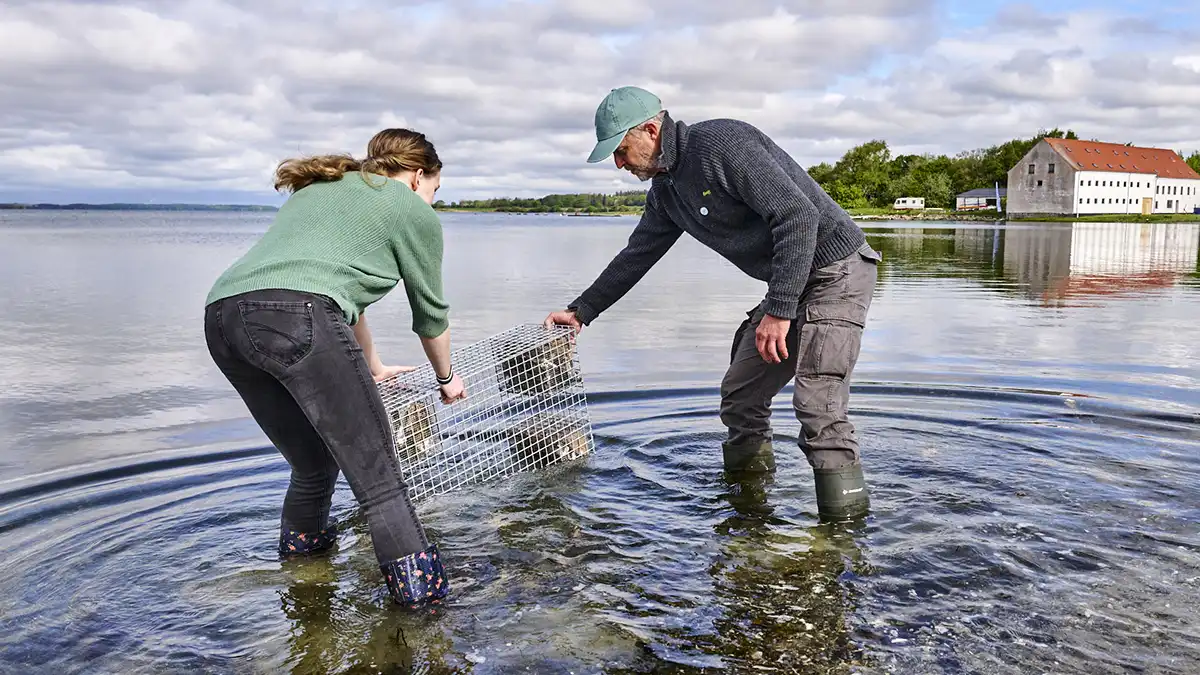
x: 643, y: 174
x: 652, y: 168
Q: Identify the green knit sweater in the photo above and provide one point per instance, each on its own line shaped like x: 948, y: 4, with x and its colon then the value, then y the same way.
x: 353, y: 242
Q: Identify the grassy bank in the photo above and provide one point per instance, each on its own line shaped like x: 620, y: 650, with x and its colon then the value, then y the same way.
x: 927, y: 214
x: 1114, y: 218
x: 509, y: 209
x: 858, y: 214
x: 870, y: 214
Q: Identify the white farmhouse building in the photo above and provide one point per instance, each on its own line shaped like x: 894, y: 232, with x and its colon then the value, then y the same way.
x: 1061, y: 176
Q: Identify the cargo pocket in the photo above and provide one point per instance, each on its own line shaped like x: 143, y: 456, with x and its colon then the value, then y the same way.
x: 830, y: 341
x: 741, y: 332
x: 279, y: 331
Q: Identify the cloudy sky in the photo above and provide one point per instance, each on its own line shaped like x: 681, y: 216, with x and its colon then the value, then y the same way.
x: 198, y: 100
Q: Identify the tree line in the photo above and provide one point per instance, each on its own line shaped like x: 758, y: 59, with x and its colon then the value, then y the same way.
x: 867, y: 176
x: 630, y: 200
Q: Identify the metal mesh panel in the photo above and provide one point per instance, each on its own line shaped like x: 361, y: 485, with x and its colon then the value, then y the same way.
x: 525, y: 410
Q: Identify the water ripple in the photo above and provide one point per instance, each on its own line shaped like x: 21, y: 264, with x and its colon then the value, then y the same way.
x: 1007, y: 535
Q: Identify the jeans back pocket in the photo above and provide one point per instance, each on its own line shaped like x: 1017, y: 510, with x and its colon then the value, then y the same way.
x: 278, y: 330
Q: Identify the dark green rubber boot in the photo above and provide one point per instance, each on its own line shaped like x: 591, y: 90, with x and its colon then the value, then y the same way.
x: 841, y: 493
x: 757, y: 457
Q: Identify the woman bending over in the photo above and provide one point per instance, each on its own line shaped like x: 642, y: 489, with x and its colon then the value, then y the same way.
x: 285, y: 324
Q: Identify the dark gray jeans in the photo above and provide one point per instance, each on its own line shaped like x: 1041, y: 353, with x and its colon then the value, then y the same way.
x: 296, y: 364
x: 829, y: 329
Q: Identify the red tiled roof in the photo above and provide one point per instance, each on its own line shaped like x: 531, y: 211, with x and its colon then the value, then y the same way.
x: 1091, y: 156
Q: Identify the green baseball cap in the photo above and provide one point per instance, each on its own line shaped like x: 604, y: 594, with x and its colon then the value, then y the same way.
x: 623, y: 109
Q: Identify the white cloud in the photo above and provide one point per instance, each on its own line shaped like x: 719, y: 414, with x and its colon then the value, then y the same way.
x: 207, y: 97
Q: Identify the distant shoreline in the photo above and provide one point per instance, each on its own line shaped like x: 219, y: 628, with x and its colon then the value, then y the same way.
x: 138, y: 207
x: 1114, y: 218
x: 865, y: 215
x: 517, y: 211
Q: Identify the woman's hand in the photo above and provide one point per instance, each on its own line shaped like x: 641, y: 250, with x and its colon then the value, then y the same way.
x: 454, y: 391
x: 381, y: 372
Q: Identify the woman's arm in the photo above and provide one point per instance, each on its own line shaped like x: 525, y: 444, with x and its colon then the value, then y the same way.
x: 378, y: 371
x: 419, y: 252
x: 438, y: 351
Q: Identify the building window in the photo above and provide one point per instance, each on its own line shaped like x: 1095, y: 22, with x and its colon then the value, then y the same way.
x: 1051, y: 169
x: 1039, y: 183
x: 1030, y: 169
x: 1081, y: 200
x: 1170, y: 204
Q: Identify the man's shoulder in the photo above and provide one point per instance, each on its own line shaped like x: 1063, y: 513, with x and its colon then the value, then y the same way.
x: 723, y: 129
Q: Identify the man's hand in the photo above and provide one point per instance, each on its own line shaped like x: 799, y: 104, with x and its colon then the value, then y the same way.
x: 566, y: 318
x: 771, y: 338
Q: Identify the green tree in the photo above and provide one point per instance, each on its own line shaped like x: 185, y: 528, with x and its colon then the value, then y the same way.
x: 937, y: 190
x: 822, y: 173
x: 847, y: 196
x: 1194, y: 161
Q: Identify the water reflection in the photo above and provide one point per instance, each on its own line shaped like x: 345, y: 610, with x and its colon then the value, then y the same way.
x: 335, y: 625
x: 785, y: 598
x: 1054, y: 264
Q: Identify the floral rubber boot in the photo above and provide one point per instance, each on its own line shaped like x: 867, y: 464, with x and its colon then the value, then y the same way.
x: 417, y: 579
x: 292, y: 542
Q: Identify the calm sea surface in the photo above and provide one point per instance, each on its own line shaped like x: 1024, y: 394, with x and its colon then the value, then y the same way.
x: 1028, y: 399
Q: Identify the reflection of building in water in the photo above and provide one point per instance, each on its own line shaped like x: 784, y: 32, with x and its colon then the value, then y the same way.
x: 979, y: 244
x: 1100, y: 258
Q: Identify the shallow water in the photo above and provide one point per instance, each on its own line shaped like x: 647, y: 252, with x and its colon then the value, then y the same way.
x: 1028, y: 400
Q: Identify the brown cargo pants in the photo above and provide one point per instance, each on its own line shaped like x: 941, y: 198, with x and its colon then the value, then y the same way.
x: 829, y: 329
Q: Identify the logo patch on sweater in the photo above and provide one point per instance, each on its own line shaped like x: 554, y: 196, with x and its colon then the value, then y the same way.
x: 706, y: 193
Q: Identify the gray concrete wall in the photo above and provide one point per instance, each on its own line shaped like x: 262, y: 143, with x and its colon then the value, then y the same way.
x: 1056, y: 192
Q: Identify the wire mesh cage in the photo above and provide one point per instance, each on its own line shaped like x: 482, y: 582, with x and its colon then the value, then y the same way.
x: 525, y: 410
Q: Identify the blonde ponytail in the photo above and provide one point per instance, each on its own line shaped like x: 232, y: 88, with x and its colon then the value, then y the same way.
x: 294, y: 175
x: 390, y: 152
